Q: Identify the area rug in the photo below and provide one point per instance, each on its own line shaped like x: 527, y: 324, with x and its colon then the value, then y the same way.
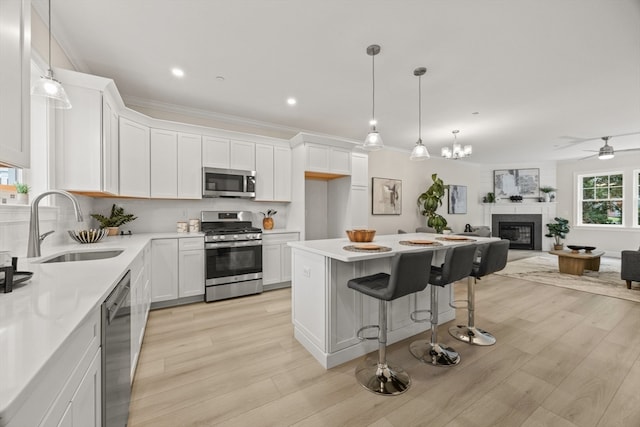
x: 544, y: 269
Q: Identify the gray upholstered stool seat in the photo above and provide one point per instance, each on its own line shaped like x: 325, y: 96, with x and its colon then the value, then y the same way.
x: 457, y: 265
x: 493, y: 257
x: 409, y: 274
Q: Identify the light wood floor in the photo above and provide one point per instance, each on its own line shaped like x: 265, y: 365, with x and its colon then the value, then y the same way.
x: 563, y: 358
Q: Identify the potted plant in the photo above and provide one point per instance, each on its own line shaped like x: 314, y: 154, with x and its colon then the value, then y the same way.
x: 547, y: 190
x: 267, y: 221
x: 558, y: 230
x: 115, y: 220
x: 430, y: 201
x: 22, y: 193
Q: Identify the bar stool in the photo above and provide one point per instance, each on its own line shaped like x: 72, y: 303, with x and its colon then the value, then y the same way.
x: 457, y: 265
x: 493, y: 257
x: 409, y: 274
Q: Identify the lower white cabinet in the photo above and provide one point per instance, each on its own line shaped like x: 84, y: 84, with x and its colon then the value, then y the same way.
x: 276, y: 258
x: 140, y: 302
x: 177, y: 269
x: 191, y: 267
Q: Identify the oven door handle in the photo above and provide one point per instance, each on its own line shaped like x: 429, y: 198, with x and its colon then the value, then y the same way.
x: 233, y: 244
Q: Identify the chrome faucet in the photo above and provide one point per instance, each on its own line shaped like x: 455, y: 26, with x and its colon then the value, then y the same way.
x: 33, y: 247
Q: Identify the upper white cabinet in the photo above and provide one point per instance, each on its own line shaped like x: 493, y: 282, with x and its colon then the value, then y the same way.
x: 134, y: 159
x: 359, y: 169
x: 228, y: 154
x: 215, y: 152
x: 273, y: 173
x: 327, y: 159
x: 242, y: 155
x: 15, y: 56
x: 87, y: 141
x: 164, y: 165
x: 175, y: 165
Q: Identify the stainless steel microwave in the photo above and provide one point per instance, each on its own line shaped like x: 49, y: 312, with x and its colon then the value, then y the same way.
x: 228, y: 183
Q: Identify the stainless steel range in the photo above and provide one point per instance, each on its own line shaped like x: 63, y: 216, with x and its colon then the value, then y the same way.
x: 233, y: 249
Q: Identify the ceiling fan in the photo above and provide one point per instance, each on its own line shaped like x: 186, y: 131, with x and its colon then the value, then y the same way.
x: 606, y: 152
x: 575, y: 141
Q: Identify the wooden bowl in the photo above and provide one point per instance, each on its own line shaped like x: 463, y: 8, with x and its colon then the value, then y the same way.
x: 361, y: 235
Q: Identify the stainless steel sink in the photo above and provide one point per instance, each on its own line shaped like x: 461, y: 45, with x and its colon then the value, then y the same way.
x: 83, y: 256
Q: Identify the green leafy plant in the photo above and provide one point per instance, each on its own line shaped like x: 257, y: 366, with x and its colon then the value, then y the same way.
x: 558, y: 230
x: 22, y: 188
x: 430, y: 201
x: 116, y: 219
x: 269, y: 213
x: 547, y: 189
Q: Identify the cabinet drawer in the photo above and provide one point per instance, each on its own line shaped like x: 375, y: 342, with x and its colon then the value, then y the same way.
x: 190, y: 243
x: 276, y: 239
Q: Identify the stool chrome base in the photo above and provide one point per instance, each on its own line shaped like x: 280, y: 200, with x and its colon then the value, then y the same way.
x: 472, y: 335
x: 382, y: 378
x: 434, y: 354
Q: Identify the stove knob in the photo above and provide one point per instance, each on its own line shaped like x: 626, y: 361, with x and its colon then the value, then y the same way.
x: 235, y: 237
x: 250, y: 236
x: 223, y: 237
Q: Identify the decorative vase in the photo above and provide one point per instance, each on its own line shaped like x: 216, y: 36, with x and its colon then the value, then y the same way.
x: 558, y: 247
x: 547, y: 197
x: 267, y: 223
x: 112, y: 231
x: 22, y: 198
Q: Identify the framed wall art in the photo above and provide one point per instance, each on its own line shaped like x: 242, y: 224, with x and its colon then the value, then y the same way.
x: 516, y: 182
x: 457, y: 199
x: 387, y: 196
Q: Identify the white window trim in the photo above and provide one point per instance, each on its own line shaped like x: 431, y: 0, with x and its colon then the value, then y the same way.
x: 579, y: 200
x: 636, y: 189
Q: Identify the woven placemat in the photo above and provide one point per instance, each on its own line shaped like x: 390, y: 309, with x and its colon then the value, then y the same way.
x: 352, y: 248
x: 466, y: 239
x: 410, y: 243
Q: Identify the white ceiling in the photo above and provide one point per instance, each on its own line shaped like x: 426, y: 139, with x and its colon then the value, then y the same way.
x: 541, y: 74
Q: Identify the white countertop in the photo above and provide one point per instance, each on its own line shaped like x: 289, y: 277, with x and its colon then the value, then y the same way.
x: 333, y: 248
x: 39, y: 315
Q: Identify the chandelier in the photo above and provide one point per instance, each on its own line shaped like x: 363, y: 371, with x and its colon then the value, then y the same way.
x: 457, y: 151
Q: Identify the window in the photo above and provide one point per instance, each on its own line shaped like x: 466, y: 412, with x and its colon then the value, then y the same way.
x: 636, y: 196
x: 600, y: 199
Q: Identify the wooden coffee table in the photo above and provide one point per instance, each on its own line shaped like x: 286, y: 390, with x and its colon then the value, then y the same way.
x: 576, y: 262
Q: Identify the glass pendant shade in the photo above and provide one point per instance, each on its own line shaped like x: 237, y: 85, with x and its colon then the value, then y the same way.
x: 50, y: 88
x: 419, y: 152
x: 373, y: 141
x: 456, y: 151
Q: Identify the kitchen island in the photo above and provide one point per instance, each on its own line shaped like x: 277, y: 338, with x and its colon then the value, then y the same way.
x: 327, y: 314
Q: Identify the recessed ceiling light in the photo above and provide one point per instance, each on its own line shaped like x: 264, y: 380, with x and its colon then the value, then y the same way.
x: 220, y: 78
x: 291, y: 101
x: 177, y: 72
x: 475, y: 112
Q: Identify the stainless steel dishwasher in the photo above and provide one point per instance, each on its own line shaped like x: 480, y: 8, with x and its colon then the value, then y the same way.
x: 116, y: 355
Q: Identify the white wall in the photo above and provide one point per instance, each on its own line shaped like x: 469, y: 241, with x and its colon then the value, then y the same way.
x: 609, y: 239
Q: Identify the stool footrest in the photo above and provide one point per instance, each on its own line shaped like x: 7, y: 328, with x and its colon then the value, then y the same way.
x: 414, y: 316
x: 361, y: 336
x: 472, y: 335
x: 464, y: 303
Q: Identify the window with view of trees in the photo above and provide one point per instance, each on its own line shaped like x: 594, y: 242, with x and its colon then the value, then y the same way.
x: 601, y: 199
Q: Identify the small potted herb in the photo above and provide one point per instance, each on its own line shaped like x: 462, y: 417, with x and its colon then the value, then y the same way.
x: 267, y: 221
x: 114, y: 220
x: 547, y: 190
x: 22, y: 193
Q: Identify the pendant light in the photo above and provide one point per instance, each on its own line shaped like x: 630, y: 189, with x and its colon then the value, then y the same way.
x: 48, y: 86
x: 457, y: 151
x: 606, y: 151
x: 373, y: 141
x: 419, y: 152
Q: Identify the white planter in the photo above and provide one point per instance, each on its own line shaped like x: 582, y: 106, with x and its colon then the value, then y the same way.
x: 22, y: 198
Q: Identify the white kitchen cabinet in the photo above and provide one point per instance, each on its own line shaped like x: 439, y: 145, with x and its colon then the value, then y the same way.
x: 189, y: 166
x: 140, y: 301
x: 15, y: 57
x: 135, y: 159
x: 69, y: 389
x: 327, y: 159
x: 276, y: 258
x: 87, y: 140
x: 164, y: 269
x: 215, y: 152
x: 359, y: 169
x: 273, y: 173
x: 191, y: 267
x: 242, y: 155
x: 164, y: 165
